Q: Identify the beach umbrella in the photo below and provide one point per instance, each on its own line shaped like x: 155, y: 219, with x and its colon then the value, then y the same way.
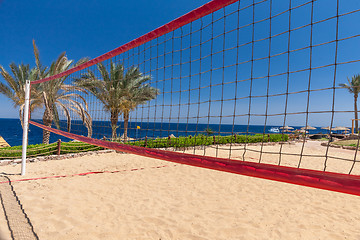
x: 340, y: 129
x: 327, y: 128
x: 308, y: 128
x: 3, y: 143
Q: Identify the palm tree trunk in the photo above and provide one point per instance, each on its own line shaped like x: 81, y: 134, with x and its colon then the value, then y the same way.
x: 114, y: 120
x: 47, y: 120
x: 21, y: 116
x: 89, y: 129
x: 126, y: 123
x: 356, y: 113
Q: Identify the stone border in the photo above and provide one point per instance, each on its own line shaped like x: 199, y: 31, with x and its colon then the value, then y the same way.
x: 220, y: 146
x: 325, y: 144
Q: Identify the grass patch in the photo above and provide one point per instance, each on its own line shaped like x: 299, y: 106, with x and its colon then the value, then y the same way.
x: 36, y: 150
x: 352, y: 143
x: 321, y: 139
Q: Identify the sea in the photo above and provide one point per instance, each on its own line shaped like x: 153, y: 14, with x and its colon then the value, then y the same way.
x: 11, y: 130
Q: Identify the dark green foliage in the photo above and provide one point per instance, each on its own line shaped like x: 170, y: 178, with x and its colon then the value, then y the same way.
x: 202, y: 140
x: 47, y: 149
x: 209, y: 131
x: 180, y: 142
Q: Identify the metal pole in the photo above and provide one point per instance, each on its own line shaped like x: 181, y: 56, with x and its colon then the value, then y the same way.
x: 26, y: 127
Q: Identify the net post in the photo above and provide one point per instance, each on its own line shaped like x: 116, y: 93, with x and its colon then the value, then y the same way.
x: 26, y: 127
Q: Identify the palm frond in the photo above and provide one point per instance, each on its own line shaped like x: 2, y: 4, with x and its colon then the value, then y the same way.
x: 42, y: 71
x: 5, y: 90
x: 9, y: 79
x: 104, y: 73
x: 85, y: 118
x: 81, y: 61
x: 73, y: 95
x: 67, y: 114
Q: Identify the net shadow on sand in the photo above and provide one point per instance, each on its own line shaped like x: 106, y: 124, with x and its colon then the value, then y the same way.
x: 18, y: 222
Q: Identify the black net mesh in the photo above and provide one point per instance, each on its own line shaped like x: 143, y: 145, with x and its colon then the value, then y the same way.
x: 237, y: 83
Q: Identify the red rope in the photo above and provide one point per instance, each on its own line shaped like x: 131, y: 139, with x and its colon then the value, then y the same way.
x: 202, y: 11
x: 81, y: 174
x: 337, y: 182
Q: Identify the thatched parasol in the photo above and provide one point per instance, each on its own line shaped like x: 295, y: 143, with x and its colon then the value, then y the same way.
x: 326, y: 128
x: 3, y: 143
x: 308, y: 128
x: 340, y: 129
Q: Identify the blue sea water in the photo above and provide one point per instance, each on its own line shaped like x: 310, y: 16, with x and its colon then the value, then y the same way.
x: 11, y: 131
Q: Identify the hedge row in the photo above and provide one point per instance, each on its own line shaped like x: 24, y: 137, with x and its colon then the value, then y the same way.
x: 47, y: 149
x: 202, y: 140
x: 179, y: 142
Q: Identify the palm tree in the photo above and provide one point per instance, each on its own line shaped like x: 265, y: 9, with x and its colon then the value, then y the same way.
x: 354, y: 88
x: 14, y: 88
x: 119, y: 92
x: 57, y: 96
x: 135, y: 92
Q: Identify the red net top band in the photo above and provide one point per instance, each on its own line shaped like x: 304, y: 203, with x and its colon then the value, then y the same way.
x: 200, y: 12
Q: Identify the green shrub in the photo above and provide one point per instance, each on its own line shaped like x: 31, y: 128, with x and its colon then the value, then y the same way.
x: 46, y: 149
x: 180, y: 142
x: 202, y: 140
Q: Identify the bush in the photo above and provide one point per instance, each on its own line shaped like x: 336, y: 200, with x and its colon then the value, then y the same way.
x: 202, y: 140
x: 180, y: 142
x: 46, y: 149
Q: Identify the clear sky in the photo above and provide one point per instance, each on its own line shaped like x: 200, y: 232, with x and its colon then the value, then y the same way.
x: 81, y: 28
x: 91, y: 28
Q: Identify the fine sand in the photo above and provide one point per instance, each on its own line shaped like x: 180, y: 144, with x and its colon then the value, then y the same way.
x: 154, y: 199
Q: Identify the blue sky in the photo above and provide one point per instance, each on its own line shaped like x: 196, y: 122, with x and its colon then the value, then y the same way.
x: 81, y: 28
x: 91, y: 28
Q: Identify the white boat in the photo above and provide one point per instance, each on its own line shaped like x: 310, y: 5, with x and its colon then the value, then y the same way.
x: 274, y: 130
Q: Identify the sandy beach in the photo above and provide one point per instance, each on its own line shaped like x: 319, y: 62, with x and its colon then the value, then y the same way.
x: 154, y: 199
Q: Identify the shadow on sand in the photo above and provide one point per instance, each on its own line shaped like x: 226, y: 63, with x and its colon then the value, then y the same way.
x: 18, y: 222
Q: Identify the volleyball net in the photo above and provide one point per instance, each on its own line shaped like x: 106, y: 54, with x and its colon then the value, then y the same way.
x: 227, y: 86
